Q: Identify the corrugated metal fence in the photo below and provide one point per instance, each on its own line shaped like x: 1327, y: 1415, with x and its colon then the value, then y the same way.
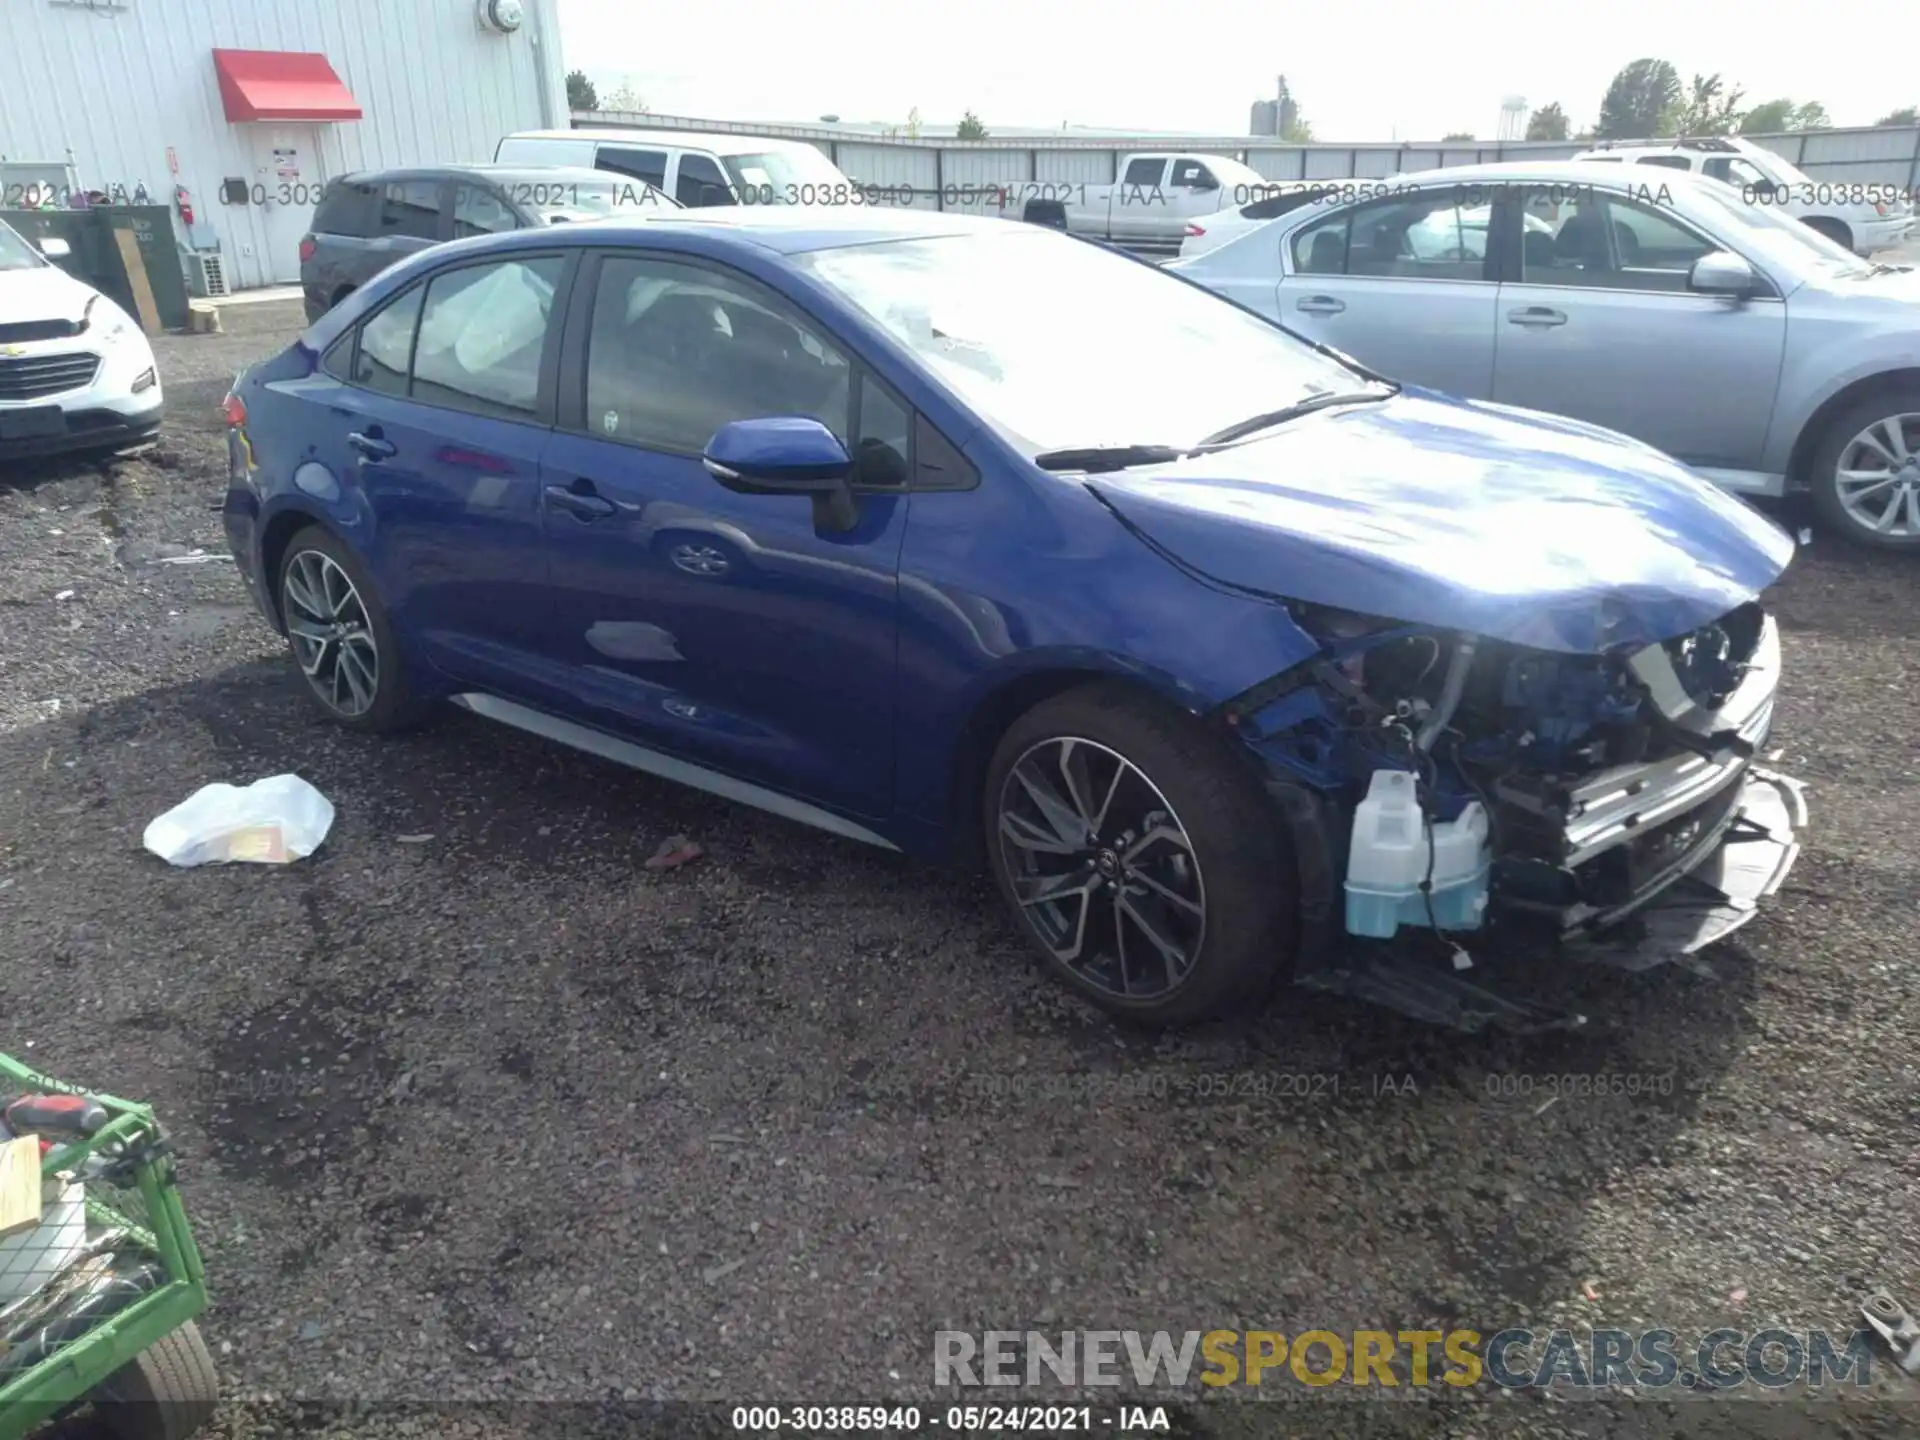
x: 948, y: 174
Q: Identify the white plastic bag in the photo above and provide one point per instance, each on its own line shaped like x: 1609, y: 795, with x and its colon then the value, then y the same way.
x: 269, y: 822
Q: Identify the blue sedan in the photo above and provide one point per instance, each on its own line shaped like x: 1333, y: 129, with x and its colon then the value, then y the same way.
x: 1235, y: 661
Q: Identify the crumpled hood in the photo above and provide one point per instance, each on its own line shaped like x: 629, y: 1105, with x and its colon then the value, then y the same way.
x: 1465, y: 516
x: 45, y: 292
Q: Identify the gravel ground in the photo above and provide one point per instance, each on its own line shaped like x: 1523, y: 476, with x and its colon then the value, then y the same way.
x: 498, y: 1115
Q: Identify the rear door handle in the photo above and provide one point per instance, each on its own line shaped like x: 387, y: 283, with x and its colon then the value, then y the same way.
x: 587, y: 505
x: 373, y: 447
x: 1321, y: 305
x: 1536, y: 315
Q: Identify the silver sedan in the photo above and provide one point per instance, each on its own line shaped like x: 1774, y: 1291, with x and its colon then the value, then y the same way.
x: 1740, y: 342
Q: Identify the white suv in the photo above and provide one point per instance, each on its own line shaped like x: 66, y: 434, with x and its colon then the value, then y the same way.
x: 1863, y: 216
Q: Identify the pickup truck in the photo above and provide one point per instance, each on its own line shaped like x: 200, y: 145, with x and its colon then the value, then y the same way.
x: 1147, y: 208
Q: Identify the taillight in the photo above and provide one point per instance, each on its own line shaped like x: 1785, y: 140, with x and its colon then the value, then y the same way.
x: 235, y: 410
x: 307, y: 247
x: 1880, y: 208
x: 1193, y: 231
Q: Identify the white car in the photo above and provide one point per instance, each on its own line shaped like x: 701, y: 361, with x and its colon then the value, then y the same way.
x: 75, y: 371
x: 1860, y: 215
x: 1210, y: 232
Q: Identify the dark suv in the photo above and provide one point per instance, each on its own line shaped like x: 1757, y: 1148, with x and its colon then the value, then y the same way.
x: 367, y: 221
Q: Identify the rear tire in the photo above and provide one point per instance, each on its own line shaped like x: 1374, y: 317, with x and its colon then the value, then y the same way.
x: 166, y: 1392
x: 1837, y: 231
x: 1876, y: 441
x: 341, y: 637
x: 1182, y: 905
x: 1050, y: 213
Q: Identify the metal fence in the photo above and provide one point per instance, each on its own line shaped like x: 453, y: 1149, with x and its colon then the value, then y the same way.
x: 948, y: 174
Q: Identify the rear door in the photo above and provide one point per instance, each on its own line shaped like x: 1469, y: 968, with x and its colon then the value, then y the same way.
x: 1599, y: 324
x: 1404, y: 284
x: 1140, y: 206
x: 437, y: 408
x: 413, y: 215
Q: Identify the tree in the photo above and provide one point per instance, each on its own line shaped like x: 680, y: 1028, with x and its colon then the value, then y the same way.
x: 580, y: 92
x: 1775, y: 116
x: 913, y: 123
x: 1297, y: 132
x: 1708, y: 109
x: 1905, y: 115
x: 1549, y: 122
x: 1638, y: 101
x: 625, y: 98
x: 970, y: 128
x: 1452, y: 136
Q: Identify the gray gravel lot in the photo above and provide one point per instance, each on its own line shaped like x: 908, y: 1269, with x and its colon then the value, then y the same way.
x: 502, y: 1116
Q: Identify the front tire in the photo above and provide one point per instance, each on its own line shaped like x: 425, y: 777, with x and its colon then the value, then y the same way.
x: 341, y: 637
x: 1139, y: 854
x: 1866, y: 473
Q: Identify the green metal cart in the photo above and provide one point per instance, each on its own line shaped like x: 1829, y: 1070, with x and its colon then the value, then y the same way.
x: 97, y: 1303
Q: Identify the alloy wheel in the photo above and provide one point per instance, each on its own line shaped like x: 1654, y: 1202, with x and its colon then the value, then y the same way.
x: 1102, y: 869
x: 331, y: 634
x: 1877, y: 478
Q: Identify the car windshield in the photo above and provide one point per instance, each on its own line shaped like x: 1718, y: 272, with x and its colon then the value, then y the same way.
x: 1062, y: 343
x: 801, y: 176
x: 15, y: 252
x: 1776, y: 238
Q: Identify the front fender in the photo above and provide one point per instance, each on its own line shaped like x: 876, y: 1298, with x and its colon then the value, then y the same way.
x: 1814, y: 374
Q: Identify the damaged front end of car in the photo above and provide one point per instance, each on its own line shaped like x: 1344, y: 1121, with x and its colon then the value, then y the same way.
x: 1459, y: 803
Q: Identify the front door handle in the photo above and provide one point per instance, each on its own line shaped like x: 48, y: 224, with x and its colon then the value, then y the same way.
x: 587, y: 505
x: 1321, y: 305
x: 1537, y: 315
x: 373, y: 446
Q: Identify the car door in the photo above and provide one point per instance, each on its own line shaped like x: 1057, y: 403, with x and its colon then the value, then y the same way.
x: 634, y: 162
x: 439, y: 404
x: 1139, y: 200
x: 740, y: 632
x: 1599, y: 324
x: 1192, y: 189
x: 698, y: 183
x: 1404, y: 284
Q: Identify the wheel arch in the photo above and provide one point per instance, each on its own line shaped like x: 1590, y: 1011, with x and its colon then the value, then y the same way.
x: 1815, y: 428
x: 274, y: 541
x: 995, y: 713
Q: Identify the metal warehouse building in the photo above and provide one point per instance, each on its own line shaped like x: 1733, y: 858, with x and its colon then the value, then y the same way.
x: 237, y: 111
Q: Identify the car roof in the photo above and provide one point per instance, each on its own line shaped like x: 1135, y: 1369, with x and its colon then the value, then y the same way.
x: 779, y: 229
x: 1547, y: 172
x: 671, y: 139
x: 553, y: 174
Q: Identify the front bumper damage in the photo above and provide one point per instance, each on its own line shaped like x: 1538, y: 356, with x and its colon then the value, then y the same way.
x: 1697, y: 839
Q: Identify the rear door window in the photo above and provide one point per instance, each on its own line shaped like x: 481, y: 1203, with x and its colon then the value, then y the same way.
x: 386, y: 345
x: 411, y: 208
x: 482, y: 334
x: 647, y: 165
x: 1144, y: 171
x: 478, y: 210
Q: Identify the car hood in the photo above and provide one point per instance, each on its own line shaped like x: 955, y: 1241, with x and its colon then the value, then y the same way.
x: 46, y: 292
x: 1464, y: 516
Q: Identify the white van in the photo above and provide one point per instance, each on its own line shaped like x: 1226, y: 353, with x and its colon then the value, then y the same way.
x: 695, y: 169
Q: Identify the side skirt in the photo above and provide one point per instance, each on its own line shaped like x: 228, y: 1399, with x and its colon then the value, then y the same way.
x: 667, y: 767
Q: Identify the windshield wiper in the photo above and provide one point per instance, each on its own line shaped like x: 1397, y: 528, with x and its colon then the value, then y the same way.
x: 1097, y: 458
x: 1241, y: 429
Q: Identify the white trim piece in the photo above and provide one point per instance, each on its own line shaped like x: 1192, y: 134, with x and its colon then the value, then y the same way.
x: 667, y: 767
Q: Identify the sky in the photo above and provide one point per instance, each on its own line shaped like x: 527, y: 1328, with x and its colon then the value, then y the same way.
x: 1388, y: 70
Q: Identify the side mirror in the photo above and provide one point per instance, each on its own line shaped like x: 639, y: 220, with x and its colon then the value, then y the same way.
x: 54, y: 248
x: 1723, y: 273
x: 786, y: 455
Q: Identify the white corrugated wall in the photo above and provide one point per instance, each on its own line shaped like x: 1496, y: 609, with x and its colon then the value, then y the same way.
x: 117, y: 86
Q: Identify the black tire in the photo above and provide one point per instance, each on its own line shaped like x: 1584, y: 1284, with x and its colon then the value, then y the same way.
x: 1822, y: 472
x: 1050, y: 213
x: 1837, y: 231
x: 166, y: 1392
x: 1248, y: 931
x: 394, y: 705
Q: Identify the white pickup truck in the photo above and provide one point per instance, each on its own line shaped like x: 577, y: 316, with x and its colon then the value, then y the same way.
x: 1147, y: 208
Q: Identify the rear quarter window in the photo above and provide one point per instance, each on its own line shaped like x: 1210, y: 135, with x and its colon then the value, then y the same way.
x: 347, y: 208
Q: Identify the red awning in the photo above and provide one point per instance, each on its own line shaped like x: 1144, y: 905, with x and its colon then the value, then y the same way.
x: 281, y: 85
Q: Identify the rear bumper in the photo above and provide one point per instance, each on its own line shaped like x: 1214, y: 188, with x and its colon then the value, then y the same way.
x: 1872, y: 236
